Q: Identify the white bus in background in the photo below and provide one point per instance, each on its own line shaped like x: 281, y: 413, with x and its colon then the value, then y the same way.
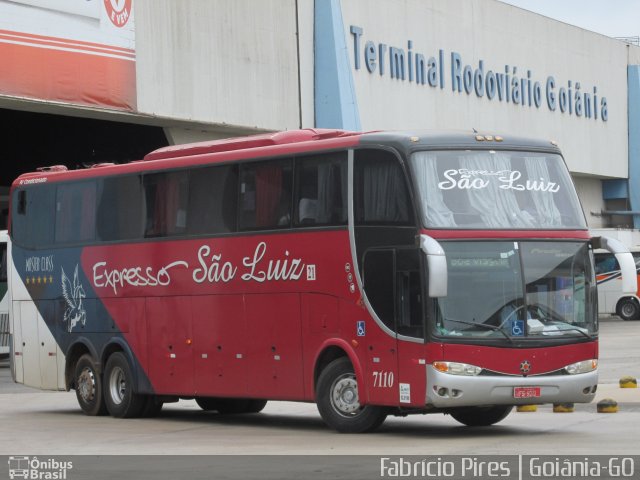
x: 4, y: 298
x: 611, y: 300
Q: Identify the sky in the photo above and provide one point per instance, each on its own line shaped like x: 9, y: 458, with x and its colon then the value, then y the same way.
x: 614, y: 18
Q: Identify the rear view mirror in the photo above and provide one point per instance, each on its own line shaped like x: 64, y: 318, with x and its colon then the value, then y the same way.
x: 437, y: 266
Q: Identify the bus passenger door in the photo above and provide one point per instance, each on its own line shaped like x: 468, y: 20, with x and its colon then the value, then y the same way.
x: 410, y: 326
x: 382, y: 361
x: 397, y: 367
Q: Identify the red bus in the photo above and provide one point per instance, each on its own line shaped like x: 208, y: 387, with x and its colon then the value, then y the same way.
x: 372, y: 273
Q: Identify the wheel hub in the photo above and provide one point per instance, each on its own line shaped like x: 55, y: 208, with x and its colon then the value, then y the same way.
x: 86, y: 385
x: 117, y: 385
x: 344, y: 396
x: 628, y: 309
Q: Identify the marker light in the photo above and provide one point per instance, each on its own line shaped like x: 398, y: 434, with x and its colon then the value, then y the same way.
x: 455, y: 368
x: 582, y: 367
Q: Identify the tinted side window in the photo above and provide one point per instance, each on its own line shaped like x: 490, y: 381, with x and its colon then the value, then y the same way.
x: 33, y: 215
x: 213, y: 199
x: 606, y: 262
x: 382, y: 195
x: 378, y: 273
x: 321, y: 190
x: 121, y: 214
x: 75, y: 212
x: 166, y: 196
x: 265, y: 195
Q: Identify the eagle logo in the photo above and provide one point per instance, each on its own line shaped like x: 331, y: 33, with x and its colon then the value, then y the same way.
x: 73, y: 295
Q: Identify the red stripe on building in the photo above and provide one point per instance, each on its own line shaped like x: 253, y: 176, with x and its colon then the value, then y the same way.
x: 70, y: 77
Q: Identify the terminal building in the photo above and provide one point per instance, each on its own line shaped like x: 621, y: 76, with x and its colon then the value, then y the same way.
x: 110, y: 80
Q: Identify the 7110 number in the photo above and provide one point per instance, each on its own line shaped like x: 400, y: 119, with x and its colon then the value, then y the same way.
x: 383, y: 379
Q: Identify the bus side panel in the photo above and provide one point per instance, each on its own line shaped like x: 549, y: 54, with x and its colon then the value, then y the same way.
x: 50, y: 353
x: 368, y: 350
x: 219, y: 345
x: 128, y: 316
x: 40, y: 352
x: 28, y: 316
x: 319, y: 322
x: 274, y: 346
x: 16, y: 332
x: 412, y: 374
x: 609, y: 292
x: 170, y: 344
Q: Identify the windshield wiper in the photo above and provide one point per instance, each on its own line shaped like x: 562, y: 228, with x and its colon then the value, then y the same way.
x: 577, y: 330
x: 482, y: 325
x: 573, y: 329
x: 550, y: 320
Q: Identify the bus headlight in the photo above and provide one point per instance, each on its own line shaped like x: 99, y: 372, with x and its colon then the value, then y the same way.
x: 455, y: 368
x: 582, y: 367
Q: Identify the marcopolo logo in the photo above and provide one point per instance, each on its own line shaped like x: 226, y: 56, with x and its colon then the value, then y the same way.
x: 38, y: 469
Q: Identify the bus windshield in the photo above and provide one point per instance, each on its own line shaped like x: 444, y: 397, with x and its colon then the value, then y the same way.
x: 511, y: 290
x: 487, y: 189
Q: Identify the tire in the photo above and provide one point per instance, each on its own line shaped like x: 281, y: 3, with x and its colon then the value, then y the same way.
x: 88, y: 386
x: 481, y: 416
x: 256, y: 406
x: 207, y: 403
x: 236, y: 406
x: 231, y: 406
x: 152, y: 407
x: 628, y: 309
x: 121, y: 400
x: 338, y: 402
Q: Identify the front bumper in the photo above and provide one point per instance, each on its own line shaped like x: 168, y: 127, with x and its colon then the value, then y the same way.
x: 445, y: 390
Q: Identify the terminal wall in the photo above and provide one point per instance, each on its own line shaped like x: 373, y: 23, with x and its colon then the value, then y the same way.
x: 231, y: 63
x: 500, y: 35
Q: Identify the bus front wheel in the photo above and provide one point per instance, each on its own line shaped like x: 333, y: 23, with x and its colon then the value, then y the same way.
x: 121, y: 400
x: 339, y: 403
x: 481, y: 416
x: 89, y: 387
x: 628, y: 309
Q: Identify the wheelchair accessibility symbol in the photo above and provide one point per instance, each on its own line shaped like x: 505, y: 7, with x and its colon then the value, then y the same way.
x: 517, y: 328
x: 360, y: 330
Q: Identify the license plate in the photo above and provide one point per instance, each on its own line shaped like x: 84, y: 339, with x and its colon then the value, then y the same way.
x: 526, y: 392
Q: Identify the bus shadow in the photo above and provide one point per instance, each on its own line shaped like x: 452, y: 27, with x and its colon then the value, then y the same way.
x: 418, y: 427
x: 260, y: 420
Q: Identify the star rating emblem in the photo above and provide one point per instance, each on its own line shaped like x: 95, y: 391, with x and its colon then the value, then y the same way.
x: 40, y: 280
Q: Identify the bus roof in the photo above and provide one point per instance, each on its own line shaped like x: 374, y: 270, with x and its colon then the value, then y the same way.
x: 269, y: 145
x: 242, y: 143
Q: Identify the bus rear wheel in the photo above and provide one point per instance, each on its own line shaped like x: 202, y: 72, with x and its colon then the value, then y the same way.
x: 89, y: 387
x: 339, y: 403
x: 121, y: 400
x: 628, y: 309
x: 481, y: 416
